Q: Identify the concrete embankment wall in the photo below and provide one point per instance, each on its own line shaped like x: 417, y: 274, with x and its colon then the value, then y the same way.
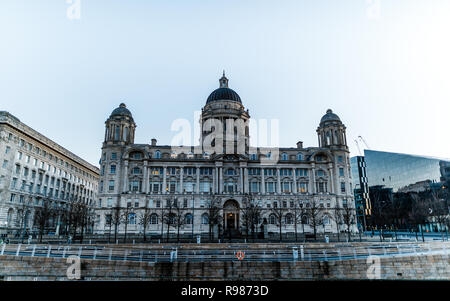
x: 434, y: 266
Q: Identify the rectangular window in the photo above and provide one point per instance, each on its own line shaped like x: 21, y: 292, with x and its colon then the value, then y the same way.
x: 113, y: 169
x: 205, y: 186
x: 19, y: 156
x: 285, y: 172
x: 109, y: 202
x: 254, y: 171
x: 172, y: 187
x: 255, y: 186
x: 12, y: 198
x: 206, y: 170
x: 5, y: 163
x: 341, y: 172
x: 270, y: 187
x: 13, y: 183
x: 111, y: 185
x: 156, y: 171
x: 303, y: 187
x: 7, y: 149
x: 113, y: 156
x: 342, y: 186
x: 301, y: 172
x: 286, y: 187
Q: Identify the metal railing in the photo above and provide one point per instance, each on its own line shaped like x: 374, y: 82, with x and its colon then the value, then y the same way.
x: 291, y: 253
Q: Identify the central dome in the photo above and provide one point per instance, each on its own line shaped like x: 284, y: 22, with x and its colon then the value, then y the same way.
x: 224, y: 93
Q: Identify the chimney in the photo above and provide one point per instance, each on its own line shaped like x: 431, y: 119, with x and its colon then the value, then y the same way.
x: 153, y: 142
x: 300, y: 144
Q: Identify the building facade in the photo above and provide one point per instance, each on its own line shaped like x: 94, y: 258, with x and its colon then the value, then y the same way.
x: 223, y: 171
x: 383, y: 176
x: 36, y: 170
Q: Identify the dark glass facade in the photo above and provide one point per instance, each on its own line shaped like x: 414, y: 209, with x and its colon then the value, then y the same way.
x: 396, y: 171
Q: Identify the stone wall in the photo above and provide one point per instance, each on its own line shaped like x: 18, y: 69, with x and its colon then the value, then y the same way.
x: 430, y: 267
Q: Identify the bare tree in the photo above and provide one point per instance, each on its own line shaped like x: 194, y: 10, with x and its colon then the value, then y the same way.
x: 116, y: 219
x: 126, y: 212
x: 144, y: 219
x: 298, y: 213
x: 418, y: 213
x: 214, y: 213
x: 348, y: 217
x: 439, y: 211
x: 169, y: 216
x: 315, y: 216
x: 251, y: 214
x: 41, y: 216
x: 179, y: 219
x: 278, y: 213
x: 338, y: 218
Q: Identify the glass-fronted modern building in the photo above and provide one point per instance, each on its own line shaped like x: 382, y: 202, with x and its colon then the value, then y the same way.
x: 393, y: 172
x: 397, y: 171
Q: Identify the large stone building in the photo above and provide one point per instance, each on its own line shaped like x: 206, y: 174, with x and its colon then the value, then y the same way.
x: 35, y: 170
x: 223, y: 172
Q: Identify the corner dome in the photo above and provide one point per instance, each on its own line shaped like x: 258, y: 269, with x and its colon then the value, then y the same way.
x: 121, y: 111
x: 330, y: 116
x: 223, y: 93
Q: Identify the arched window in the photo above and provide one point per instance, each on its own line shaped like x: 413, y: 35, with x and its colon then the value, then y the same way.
x: 288, y: 219
x: 304, y: 220
x: 272, y: 219
x: 188, y: 219
x: 157, y: 154
x: 132, y: 219
x: 299, y: 157
x: 284, y: 156
x: 154, y: 219
x: 205, y: 219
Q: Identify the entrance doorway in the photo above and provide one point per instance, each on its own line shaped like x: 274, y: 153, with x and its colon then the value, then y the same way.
x: 231, y: 215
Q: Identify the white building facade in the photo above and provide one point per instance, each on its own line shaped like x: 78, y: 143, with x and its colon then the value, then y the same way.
x: 186, y: 181
x: 35, y: 170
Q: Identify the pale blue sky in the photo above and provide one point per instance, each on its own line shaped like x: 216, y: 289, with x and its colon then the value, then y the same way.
x: 386, y: 77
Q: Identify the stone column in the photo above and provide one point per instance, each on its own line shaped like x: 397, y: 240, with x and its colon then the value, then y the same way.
x: 294, y: 182
x: 263, y: 185
x: 197, y: 188
x: 330, y: 172
x: 164, y: 180
x: 246, y: 183
x: 215, y: 180
x: 278, y: 181
x: 220, y: 179
x: 181, y: 190
x: 336, y: 179
x: 241, y: 180
x: 312, y: 176
x: 146, y: 178
x: 125, y: 177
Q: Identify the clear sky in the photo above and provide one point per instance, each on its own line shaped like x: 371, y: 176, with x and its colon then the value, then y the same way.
x: 381, y: 65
